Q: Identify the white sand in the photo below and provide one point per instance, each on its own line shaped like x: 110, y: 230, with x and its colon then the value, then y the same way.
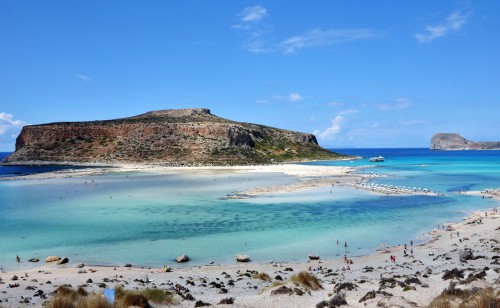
x: 483, y: 239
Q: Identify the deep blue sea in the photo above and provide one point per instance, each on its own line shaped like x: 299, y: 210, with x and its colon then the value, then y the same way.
x: 150, y: 218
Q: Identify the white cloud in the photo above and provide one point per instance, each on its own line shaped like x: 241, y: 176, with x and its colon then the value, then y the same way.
x: 400, y: 104
x: 336, y: 125
x: 335, y: 104
x: 349, y: 111
x: 318, y: 37
x: 251, y: 27
x: 452, y: 23
x: 331, y: 132
x: 83, y: 77
x: 262, y: 101
x: 293, y: 97
x: 253, y: 13
x: 7, y: 123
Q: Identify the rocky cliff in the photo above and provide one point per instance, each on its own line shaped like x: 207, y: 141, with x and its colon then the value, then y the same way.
x: 453, y: 141
x: 173, y: 137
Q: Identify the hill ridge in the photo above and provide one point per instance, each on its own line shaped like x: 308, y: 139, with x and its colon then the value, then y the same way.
x: 171, y: 136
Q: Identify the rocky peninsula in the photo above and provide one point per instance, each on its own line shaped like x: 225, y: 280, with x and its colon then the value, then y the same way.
x: 184, y: 137
x: 453, y: 141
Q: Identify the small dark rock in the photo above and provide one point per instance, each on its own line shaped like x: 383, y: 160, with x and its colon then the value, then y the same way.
x: 128, y: 265
x: 453, y: 274
x: 345, y: 286
x: 369, y: 295
x: 188, y: 297
x: 282, y: 290
x: 201, y: 304
x: 89, y: 280
x: 413, y: 280
x: 465, y: 255
x: 298, y: 291
x: 278, y: 277
x: 227, y: 301
x: 288, y: 269
x: 34, y: 260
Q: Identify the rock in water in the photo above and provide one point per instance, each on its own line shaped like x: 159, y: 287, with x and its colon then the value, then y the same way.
x: 313, y: 257
x: 242, y: 258
x: 34, y: 260
x: 453, y: 141
x: 63, y: 261
x: 182, y: 259
x: 52, y: 259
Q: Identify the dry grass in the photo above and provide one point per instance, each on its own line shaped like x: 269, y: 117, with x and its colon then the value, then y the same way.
x: 307, y: 280
x: 62, y: 302
x: 158, y: 296
x: 262, y: 276
x: 443, y: 301
x: 93, y: 301
x: 485, y: 298
x: 68, y: 298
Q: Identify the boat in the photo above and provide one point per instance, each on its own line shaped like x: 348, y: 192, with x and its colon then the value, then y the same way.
x: 376, y: 159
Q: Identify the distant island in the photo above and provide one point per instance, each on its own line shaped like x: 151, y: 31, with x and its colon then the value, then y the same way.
x: 172, y: 137
x: 453, y: 141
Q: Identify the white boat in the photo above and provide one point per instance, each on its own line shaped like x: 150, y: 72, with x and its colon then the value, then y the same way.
x: 376, y: 159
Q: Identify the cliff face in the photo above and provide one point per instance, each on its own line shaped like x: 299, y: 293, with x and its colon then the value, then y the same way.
x: 176, y: 137
x: 453, y: 141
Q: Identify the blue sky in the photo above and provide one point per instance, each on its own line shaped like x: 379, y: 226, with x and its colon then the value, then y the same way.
x: 355, y: 73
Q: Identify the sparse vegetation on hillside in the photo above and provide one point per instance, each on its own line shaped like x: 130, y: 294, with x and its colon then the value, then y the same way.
x: 175, y: 137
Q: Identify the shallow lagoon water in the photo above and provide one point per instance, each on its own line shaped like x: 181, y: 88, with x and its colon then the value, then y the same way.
x: 149, y: 219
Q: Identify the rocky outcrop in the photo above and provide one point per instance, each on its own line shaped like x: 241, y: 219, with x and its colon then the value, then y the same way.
x: 182, y: 259
x: 174, y: 137
x: 453, y: 141
x: 242, y: 258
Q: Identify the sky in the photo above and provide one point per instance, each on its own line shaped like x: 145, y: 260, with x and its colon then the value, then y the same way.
x: 364, y: 74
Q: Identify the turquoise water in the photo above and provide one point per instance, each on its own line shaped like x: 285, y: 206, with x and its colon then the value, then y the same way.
x: 149, y: 219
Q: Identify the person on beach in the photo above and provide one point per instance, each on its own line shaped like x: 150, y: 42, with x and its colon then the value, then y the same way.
x: 411, y: 242
x: 18, y: 260
x: 345, y: 244
x: 405, y: 246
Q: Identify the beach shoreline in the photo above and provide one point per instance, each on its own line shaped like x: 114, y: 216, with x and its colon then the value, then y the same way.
x: 425, y: 265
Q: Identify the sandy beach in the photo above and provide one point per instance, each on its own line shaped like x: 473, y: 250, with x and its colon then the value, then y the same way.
x: 471, y: 247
